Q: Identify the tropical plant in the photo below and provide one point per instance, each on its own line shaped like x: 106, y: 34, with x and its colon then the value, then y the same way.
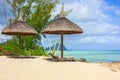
x: 56, y: 47
x: 0, y: 49
x: 10, y: 46
x: 36, y: 13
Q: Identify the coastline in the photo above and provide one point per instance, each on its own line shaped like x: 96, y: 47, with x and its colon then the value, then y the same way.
x: 113, y: 66
x: 41, y: 69
x: 94, y: 56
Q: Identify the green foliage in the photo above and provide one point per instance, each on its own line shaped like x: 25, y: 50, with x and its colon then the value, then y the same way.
x: 10, y: 46
x: 36, y: 52
x: 52, y: 51
x: 36, y: 13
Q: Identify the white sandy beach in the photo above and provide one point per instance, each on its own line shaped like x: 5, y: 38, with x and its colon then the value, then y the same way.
x: 40, y: 69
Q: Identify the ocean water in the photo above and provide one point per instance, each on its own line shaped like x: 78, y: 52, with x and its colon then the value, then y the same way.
x: 94, y: 56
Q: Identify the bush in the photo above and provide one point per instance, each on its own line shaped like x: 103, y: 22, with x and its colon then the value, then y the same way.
x: 11, y: 46
x: 0, y: 49
x: 7, y: 53
x: 39, y: 52
x: 36, y: 52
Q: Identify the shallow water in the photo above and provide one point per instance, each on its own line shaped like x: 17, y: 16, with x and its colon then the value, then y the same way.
x: 94, y: 56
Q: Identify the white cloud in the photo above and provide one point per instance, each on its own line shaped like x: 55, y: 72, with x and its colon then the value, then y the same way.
x: 101, y: 28
x: 86, y: 39
x: 97, y: 18
x: 99, y: 39
x: 117, y: 11
x: 92, y: 16
x: 86, y: 10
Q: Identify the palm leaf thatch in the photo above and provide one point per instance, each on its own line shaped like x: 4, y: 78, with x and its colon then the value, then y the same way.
x: 62, y: 26
x: 19, y: 28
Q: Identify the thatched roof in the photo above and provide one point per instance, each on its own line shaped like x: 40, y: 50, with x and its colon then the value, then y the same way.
x: 19, y: 27
x: 62, y: 26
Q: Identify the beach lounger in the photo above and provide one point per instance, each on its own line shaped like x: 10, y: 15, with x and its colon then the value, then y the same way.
x: 53, y: 56
x: 70, y: 59
x: 59, y: 59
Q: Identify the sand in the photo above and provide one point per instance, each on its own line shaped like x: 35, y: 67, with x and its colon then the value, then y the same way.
x: 40, y: 69
x: 114, y: 66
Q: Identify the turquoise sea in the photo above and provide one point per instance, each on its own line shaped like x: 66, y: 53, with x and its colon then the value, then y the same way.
x: 94, y: 56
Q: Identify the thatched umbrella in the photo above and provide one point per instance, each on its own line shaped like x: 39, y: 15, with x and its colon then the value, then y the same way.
x: 19, y: 28
x: 62, y: 26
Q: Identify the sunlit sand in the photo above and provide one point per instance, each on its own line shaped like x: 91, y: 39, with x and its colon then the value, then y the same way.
x: 41, y: 69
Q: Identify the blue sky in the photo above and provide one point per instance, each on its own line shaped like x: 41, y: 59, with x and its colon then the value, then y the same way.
x: 100, y: 20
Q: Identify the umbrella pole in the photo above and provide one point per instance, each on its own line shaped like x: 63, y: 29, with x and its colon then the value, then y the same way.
x: 61, y: 46
x: 19, y: 45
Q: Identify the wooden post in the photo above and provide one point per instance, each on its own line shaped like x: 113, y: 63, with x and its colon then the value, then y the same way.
x: 19, y: 45
x: 62, y: 48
